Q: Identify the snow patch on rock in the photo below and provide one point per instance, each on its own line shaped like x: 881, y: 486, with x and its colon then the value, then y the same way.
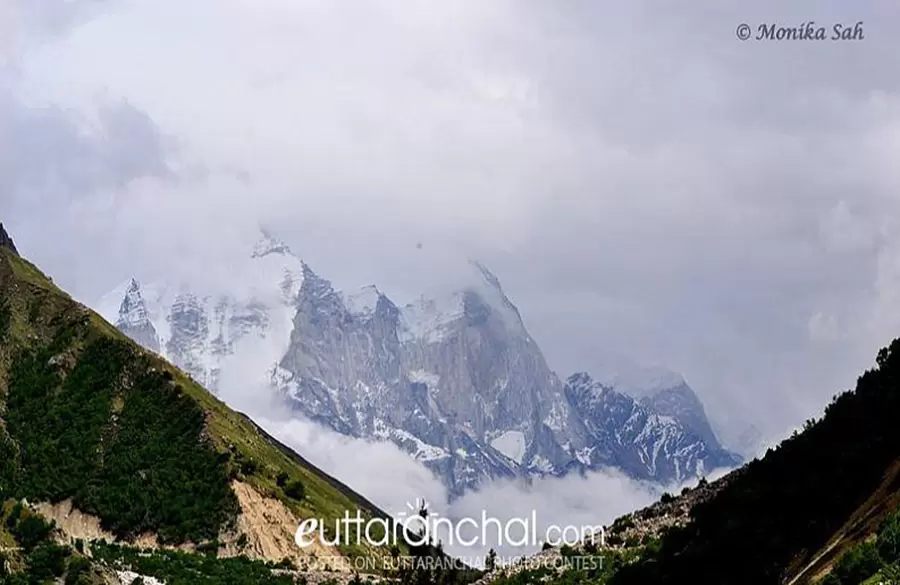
x: 511, y: 444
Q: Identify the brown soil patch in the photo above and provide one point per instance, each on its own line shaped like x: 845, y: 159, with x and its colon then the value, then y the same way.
x: 269, y: 527
x: 73, y: 523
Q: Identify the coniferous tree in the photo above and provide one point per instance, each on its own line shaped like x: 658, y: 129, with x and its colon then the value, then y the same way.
x: 490, y: 563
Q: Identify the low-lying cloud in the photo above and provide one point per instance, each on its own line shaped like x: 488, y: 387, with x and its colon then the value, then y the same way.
x: 397, y: 483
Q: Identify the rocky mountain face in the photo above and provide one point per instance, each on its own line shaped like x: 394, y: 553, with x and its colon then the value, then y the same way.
x: 456, y: 381
x: 681, y: 404
x: 662, y: 438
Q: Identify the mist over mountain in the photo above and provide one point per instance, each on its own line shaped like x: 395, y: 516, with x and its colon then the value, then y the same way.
x: 455, y: 379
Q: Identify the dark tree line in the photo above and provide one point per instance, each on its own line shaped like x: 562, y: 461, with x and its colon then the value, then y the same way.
x: 793, y: 499
x: 117, y: 437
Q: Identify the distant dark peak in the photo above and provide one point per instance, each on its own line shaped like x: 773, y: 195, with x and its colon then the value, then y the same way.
x: 6, y: 241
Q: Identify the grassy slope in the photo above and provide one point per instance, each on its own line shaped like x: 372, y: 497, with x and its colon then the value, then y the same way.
x: 36, y: 310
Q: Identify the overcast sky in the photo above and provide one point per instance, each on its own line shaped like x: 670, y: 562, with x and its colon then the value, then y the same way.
x: 646, y: 186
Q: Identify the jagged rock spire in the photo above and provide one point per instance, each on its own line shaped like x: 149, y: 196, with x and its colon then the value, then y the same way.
x: 134, y: 320
x: 6, y: 241
x: 132, y: 311
x: 319, y: 292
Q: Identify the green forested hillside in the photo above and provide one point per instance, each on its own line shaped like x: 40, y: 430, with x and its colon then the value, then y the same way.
x: 823, y: 507
x: 816, y: 495
x: 88, y: 416
x: 116, y: 437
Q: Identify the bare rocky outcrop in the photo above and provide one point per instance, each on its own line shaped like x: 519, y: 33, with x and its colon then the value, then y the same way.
x: 268, y: 528
x: 72, y: 522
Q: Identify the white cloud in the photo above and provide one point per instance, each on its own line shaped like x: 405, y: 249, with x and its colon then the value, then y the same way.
x: 580, y: 502
x: 389, y: 478
x: 394, y: 482
x: 380, y: 471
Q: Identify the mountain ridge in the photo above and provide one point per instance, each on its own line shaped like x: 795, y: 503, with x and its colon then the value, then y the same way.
x: 455, y: 380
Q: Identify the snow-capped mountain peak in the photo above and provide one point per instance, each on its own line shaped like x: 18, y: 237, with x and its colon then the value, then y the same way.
x: 453, y: 378
x: 200, y: 329
x: 133, y: 316
x: 479, y: 300
x: 133, y: 310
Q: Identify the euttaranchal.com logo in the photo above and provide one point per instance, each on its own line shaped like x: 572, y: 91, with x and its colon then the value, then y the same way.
x: 419, y: 527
